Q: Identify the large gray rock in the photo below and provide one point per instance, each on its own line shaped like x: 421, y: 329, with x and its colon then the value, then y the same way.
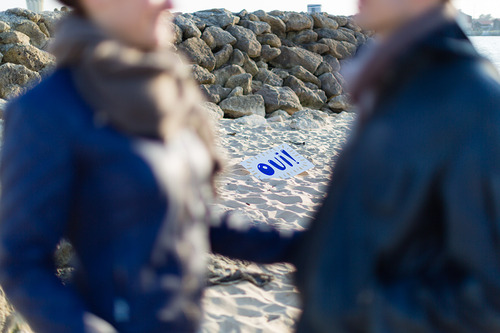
x: 14, y: 37
x: 304, y: 75
x: 342, y: 34
x: 309, y: 120
x: 177, y: 34
x: 318, y: 48
x: 246, y: 40
x: 238, y: 58
x: 209, y: 39
x: 293, y: 56
x: 303, y: 37
x: 237, y: 91
x: 330, y: 85
x: 51, y: 19
x: 198, y: 52
x: 323, y: 68
x: 215, y: 92
x: 322, y: 21
x: 223, y: 55
x: 223, y: 74
x: 188, y: 27
x: 269, y: 53
x: 341, y: 20
x: 278, y: 27
x: 30, y: 57
x: 258, y: 28
x: 236, y: 107
x: 269, y: 39
x: 297, y: 21
x: 250, y: 66
x: 308, y: 97
x: 16, y: 79
x: 32, y: 30
x: 268, y: 77
x: 339, y: 103
x: 252, y: 120
x: 242, y: 80
x: 202, y: 75
x: 333, y: 62
x: 279, y: 98
x: 339, y: 49
x: 220, y: 36
x: 217, y: 17
x: 4, y: 26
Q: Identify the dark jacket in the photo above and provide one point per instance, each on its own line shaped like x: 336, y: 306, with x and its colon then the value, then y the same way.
x: 64, y: 174
x: 408, y: 238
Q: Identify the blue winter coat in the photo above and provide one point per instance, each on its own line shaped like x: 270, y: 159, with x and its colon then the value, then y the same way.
x: 63, y: 174
x: 408, y: 238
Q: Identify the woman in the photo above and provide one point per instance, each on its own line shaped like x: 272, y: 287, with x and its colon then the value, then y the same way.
x: 407, y: 239
x: 113, y: 153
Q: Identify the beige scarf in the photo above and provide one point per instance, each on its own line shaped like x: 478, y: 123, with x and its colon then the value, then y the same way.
x: 141, y: 94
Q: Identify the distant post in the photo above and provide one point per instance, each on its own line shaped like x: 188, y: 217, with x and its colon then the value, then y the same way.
x: 35, y: 5
x: 313, y: 9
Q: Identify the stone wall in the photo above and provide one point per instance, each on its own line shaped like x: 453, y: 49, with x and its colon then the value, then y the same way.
x: 246, y: 63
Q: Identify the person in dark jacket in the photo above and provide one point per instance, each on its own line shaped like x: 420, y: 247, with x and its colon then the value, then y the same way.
x: 113, y: 153
x: 408, y: 238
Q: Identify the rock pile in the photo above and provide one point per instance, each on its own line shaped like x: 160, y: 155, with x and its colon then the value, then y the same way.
x: 246, y: 63
x: 258, y: 63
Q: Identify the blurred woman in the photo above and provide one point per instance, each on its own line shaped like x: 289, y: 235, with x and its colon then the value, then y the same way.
x: 113, y: 153
x: 408, y: 238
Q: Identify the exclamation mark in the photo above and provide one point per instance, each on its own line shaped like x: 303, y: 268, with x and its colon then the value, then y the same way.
x: 284, y: 152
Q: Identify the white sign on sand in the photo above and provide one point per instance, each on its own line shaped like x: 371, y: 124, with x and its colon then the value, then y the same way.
x: 279, y: 162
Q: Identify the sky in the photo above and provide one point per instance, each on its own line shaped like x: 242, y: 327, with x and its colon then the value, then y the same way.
x: 338, y: 7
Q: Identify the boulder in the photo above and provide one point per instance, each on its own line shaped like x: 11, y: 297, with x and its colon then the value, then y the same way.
x: 341, y: 20
x: 268, y: 77
x: 4, y: 26
x: 209, y: 39
x: 318, y: 48
x: 308, y: 97
x: 217, y: 17
x: 303, y: 37
x: 30, y: 57
x: 269, y: 39
x: 269, y: 53
x: 239, y: 106
x: 14, y: 37
x: 333, y: 62
x: 237, y: 91
x: 220, y: 36
x: 339, y: 49
x: 238, y: 58
x: 242, y: 80
x: 250, y: 66
x: 323, y: 68
x: 297, y: 22
x: 252, y: 120
x: 309, y: 120
x: 279, y: 98
x: 342, y: 34
x: 322, y: 21
x: 198, y: 52
x: 51, y: 19
x: 278, y: 27
x: 246, y: 40
x: 293, y: 56
x: 330, y: 85
x: 188, y: 27
x: 256, y: 86
x: 304, y: 75
x: 258, y: 28
x: 339, y: 103
x: 32, y: 30
x: 223, y: 55
x: 282, y: 73
x: 262, y: 64
x: 16, y: 79
x: 223, y: 74
x: 215, y: 92
x: 176, y: 34
x: 214, y: 111
x: 201, y: 75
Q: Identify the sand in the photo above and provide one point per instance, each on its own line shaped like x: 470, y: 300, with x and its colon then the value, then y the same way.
x: 285, y: 204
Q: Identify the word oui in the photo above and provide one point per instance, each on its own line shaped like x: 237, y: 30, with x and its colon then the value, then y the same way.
x: 279, y: 162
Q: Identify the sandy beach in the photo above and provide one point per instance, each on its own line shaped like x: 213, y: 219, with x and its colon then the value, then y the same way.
x: 286, y: 204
